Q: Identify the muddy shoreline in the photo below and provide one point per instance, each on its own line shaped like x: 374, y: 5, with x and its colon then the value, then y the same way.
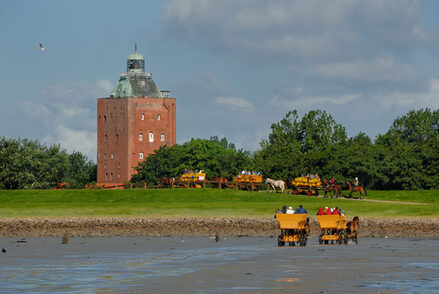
x: 205, y: 226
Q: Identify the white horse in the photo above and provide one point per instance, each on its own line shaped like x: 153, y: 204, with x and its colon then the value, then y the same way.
x: 276, y: 184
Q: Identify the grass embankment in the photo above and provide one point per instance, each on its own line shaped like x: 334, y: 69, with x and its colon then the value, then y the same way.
x: 202, y: 202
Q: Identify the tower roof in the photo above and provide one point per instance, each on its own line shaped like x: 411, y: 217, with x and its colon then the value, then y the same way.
x: 136, y: 55
x: 135, y: 82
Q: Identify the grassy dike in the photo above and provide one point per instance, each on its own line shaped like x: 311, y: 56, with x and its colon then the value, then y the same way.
x: 202, y: 203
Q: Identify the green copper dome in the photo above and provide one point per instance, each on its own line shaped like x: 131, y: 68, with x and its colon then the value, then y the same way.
x: 135, y: 82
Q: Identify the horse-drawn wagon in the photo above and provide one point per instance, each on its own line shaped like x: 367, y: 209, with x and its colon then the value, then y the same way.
x: 192, y: 179
x: 248, y: 181
x: 333, y: 228
x: 294, y: 228
x: 306, y: 185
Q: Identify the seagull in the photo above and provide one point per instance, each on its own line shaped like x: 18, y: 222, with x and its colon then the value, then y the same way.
x: 42, y: 47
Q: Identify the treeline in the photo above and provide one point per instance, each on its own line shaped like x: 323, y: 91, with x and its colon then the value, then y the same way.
x: 28, y: 164
x: 406, y: 157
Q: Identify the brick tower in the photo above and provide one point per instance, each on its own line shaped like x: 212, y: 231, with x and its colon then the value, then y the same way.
x: 134, y: 121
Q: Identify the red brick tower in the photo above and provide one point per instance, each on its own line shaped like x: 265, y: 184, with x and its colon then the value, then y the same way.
x: 134, y: 121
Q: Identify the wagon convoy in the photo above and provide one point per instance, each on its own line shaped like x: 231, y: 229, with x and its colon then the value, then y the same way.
x: 295, y: 229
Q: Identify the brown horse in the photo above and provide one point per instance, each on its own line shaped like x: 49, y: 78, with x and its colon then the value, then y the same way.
x: 220, y: 181
x: 352, y: 229
x: 360, y: 189
x: 167, y: 182
x: 334, y: 188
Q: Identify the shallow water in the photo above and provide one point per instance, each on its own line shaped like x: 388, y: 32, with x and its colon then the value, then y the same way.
x: 202, y: 265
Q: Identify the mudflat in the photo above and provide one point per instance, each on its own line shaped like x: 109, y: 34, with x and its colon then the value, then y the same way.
x: 216, y: 265
x: 404, y: 227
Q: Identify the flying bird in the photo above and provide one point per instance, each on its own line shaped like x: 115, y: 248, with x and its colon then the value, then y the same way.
x: 42, y: 47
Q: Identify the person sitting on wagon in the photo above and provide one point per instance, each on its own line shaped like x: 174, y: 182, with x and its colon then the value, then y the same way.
x: 290, y: 210
x: 332, y: 181
x: 341, y: 211
x: 320, y: 212
x: 284, y: 209
x: 300, y: 209
x: 328, y: 211
x: 335, y: 211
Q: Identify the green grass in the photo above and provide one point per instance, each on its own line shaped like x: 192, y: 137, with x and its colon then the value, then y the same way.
x: 201, y: 202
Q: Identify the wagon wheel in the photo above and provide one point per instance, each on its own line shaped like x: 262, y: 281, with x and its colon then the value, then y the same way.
x: 326, y: 242
x: 279, y: 241
x: 295, y: 192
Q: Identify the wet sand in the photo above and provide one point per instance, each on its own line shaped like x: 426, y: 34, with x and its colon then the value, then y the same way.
x: 201, y: 226
x: 202, y: 265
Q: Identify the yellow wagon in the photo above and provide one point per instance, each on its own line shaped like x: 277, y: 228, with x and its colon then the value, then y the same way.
x: 294, y: 228
x: 333, y: 228
x: 305, y: 185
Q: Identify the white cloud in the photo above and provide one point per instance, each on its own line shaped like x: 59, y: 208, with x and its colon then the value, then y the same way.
x: 77, y: 140
x: 414, y: 100
x: 106, y: 85
x: 316, y: 101
x: 235, y: 103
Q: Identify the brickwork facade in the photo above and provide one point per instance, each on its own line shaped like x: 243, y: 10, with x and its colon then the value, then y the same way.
x: 128, y: 130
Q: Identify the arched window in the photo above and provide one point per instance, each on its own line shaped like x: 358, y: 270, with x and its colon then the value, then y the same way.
x: 105, y: 118
x: 117, y: 138
x: 140, y: 137
x: 162, y: 137
x: 141, y: 155
x: 142, y: 117
x: 151, y: 137
x: 112, y: 155
x: 106, y: 176
x: 106, y: 138
x: 158, y: 117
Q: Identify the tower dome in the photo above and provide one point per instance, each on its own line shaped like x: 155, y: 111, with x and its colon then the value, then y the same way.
x: 136, y: 61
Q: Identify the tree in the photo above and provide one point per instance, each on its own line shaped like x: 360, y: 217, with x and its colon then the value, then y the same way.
x: 215, y: 156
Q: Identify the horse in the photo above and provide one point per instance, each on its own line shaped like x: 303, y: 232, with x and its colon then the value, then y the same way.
x: 220, y: 181
x: 334, y: 188
x: 167, y: 182
x: 276, y: 184
x: 352, y: 229
x: 360, y: 189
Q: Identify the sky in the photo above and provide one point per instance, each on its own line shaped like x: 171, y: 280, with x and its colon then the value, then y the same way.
x: 235, y: 66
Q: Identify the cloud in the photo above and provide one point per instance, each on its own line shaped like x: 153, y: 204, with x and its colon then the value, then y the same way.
x: 412, y: 100
x: 379, y: 69
x: 316, y: 101
x: 77, y: 140
x: 106, y: 85
x: 310, y: 30
x: 235, y: 103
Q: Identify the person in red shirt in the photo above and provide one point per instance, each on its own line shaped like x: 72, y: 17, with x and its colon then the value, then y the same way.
x: 320, y: 212
x: 327, y: 211
x: 332, y: 181
x: 335, y: 211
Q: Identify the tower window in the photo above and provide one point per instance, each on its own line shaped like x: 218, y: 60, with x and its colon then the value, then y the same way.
x: 140, y: 137
x: 112, y: 176
x: 106, y: 139
x: 117, y: 138
x: 151, y: 137
x: 105, y: 118
x: 118, y: 176
x: 162, y: 137
x: 141, y: 155
x: 112, y: 156
x: 158, y: 117
x: 142, y: 117
x: 106, y: 176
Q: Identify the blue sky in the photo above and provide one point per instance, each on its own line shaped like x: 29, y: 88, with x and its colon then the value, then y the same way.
x: 235, y: 67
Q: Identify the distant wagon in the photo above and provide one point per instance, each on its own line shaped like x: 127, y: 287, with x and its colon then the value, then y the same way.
x: 245, y: 182
x: 192, y: 179
x: 306, y: 185
x: 294, y: 228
